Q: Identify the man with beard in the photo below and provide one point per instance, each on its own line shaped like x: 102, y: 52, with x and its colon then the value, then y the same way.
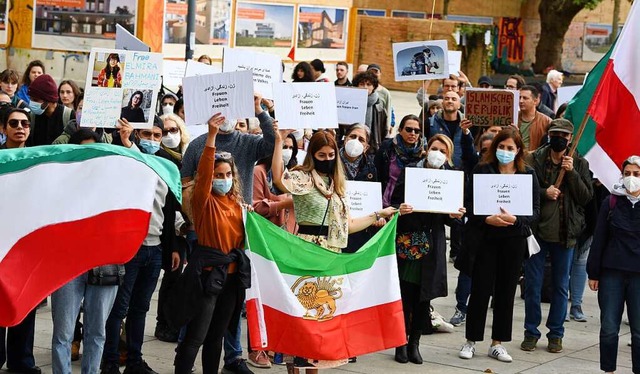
x: 342, y: 70
x: 533, y: 125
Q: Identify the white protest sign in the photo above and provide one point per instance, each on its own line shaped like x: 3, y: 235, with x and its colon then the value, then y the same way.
x: 512, y: 192
x: 266, y: 67
x: 364, y: 197
x: 228, y: 93
x: 565, y: 94
x: 195, y: 68
x: 352, y: 105
x: 455, y: 61
x: 121, y: 84
x: 125, y: 40
x: 173, y: 72
x: 302, y: 154
x: 415, y: 61
x: 434, y: 190
x: 305, y: 105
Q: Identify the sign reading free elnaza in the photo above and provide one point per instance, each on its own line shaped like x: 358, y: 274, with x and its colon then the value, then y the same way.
x: 511, y: 192
x: 489, y: 107
x: 434, y: 190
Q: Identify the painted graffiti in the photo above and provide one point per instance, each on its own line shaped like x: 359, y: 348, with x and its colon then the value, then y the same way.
x: 511, y: 40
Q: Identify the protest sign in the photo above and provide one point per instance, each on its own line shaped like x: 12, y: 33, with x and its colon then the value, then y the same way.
x: 512, y: 192
x: 414, y: 61
x: 121, y: 84
x: 352, y: 105
x: 173, y: 71
x: 266, y: 68
x: 127, y: 41
x: 305, y: 105
x: 364, y: 197
x: 565, y: 94
x: 195, y: 68
x: 434, y: 190
x: 228, y: 93
x: 455, y: 61
x: 491, y: 107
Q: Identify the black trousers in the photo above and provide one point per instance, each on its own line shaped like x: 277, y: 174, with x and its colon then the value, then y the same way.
x: 498, y: 262
x: 208, y: 328
x: 455, y: 238
x: 168, y: 280
x: 18, y: 351
x: 416, y: 312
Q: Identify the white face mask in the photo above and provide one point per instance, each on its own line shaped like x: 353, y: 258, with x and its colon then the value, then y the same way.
x: 631, y: 183
x: 171, y: 140
x: 353, y: 148
x: 436, y: 159
x: 167, y: 109
x: 286, y: 156
x: 227, y: 126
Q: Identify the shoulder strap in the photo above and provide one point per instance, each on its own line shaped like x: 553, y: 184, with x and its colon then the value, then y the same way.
x: 612, y: 204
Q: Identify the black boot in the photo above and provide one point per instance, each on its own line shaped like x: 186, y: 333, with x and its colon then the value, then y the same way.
x: 413, y: 350
x: 401, y: 354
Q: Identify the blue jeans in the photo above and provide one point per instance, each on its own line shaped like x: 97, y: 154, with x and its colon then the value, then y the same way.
x: 65, y: 304
x: 132, y: 301
x: 579, y: 273
x: 463, y: 290
x: 561, y: 258
x: 616, y: 288
x: 232, y: 346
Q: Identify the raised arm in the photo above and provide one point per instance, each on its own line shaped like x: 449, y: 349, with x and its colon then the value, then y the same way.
x: 204, y: 177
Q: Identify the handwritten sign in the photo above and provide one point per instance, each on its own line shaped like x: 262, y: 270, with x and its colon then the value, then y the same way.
x: 195, y: 68
x: 512, y: 192
x: 127, y: 41
x: 352, y: 105
x: 305, y: 105
x: 173, y: 72
x: 364, y: 197
x: 492, y: 107
x: 434, y: 190
x: 121, y: 84
x: 228, y: 93
x: 266, y: 67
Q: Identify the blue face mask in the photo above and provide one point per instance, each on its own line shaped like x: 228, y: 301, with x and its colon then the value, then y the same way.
x: 149, y: 146
x: 3, y: 138
x: 222, y: 186
x: 505, y: 157
x: 36, y: 108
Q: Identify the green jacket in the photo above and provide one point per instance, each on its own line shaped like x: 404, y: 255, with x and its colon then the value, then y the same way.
x: 72, y: 127
x: 576, y: 187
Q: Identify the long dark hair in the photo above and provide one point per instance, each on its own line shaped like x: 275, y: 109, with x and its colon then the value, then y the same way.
x: 74, y: 88
x: 506, y: 133
x: 306, y: 68
x: 25, y: 78
x: 292, y: 163
x: 318, y: 140
x: 141, y: 98
x: 112, y: 72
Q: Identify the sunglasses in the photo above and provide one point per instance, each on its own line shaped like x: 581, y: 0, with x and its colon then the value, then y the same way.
x: 15, y: 122
x: 223, y: 156
x: 174, y: 130
x: 414, y: 130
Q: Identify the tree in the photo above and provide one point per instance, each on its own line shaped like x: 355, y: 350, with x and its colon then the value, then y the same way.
x: 555, y: 18
x: 616, y: 20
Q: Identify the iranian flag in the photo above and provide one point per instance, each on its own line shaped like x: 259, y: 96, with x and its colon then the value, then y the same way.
x: 611, y: 96
x: 67, y: 209
x: 307, y: 301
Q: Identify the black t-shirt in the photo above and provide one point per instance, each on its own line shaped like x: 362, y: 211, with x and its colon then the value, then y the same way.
x: 46, y: 129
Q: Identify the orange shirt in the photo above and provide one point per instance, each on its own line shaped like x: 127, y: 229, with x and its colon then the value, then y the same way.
x: 217, y: 219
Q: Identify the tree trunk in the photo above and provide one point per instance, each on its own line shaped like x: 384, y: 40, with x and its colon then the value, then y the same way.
x: 555, y: 18
x: 445, y: 8
x: 616, y: 20
x: 475, y: 57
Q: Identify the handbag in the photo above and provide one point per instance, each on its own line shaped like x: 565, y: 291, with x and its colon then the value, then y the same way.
x: 412, y: 245
x: 106, y: 275
x: 532, y: 244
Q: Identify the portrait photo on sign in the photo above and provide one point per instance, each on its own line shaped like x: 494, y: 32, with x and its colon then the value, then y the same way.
x: 136, y: 105
x: 108, y: 70
x: 420, y: 60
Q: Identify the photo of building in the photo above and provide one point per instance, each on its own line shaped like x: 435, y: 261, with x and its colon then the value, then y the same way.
x: 264, y: 25
x: 321, y: 28
x: 212, y: 22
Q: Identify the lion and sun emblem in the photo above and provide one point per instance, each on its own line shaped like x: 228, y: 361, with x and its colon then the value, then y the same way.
x: 318, y: 295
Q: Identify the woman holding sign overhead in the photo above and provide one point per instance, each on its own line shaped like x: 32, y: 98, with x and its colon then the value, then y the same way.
x: 500, y: 245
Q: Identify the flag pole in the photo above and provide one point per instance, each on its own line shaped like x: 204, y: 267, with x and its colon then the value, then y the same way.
x: 574, y: 146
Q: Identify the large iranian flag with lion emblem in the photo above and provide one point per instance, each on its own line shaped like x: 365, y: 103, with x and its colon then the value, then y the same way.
x: 307, y: 301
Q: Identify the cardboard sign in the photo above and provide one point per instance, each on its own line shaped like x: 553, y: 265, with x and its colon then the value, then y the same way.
x: 491, y: 107
x: 352, y: 105
x: 305, y: 105
x: 121, y: 84
x: 195, y: 68
x: 512, y: 192
x: 266, y: 68
x: 228, y: 93
x: 434, y: 190
x: 127, y: 41
x: 414, y: 61
x: 173, y: 71
x: 364, y: 197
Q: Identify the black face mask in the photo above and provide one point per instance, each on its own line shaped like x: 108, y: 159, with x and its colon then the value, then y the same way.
x: 558, y: 143
x: 325, y: 166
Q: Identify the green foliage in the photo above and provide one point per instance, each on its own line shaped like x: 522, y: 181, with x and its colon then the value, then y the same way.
x: 589, y: 4
x: 470, y: 30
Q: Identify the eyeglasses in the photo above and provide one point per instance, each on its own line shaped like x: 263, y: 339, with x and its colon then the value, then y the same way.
x: 173, y: 130
x: 414, y: 130
x: 15, y: 122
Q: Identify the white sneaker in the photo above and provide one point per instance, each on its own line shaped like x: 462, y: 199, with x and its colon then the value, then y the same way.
x: 499, y: 353
x: 467, y: 351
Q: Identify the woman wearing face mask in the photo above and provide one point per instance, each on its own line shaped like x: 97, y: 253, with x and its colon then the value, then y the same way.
x: 318, y: 189
x: 501, y: 250
x: 613, y: 266
x: 421, y: 251
x: 167, y: 103
x: 217, y: 212
x: 111, y: 76
x: 175, y: 137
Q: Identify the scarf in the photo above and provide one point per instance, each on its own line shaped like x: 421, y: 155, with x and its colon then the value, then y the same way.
x: 406, y: 156
x: 351, y: 168
x: 619, y: 190
x: 337, y: 213
x: 371, y: 100
x: 174, y: 154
